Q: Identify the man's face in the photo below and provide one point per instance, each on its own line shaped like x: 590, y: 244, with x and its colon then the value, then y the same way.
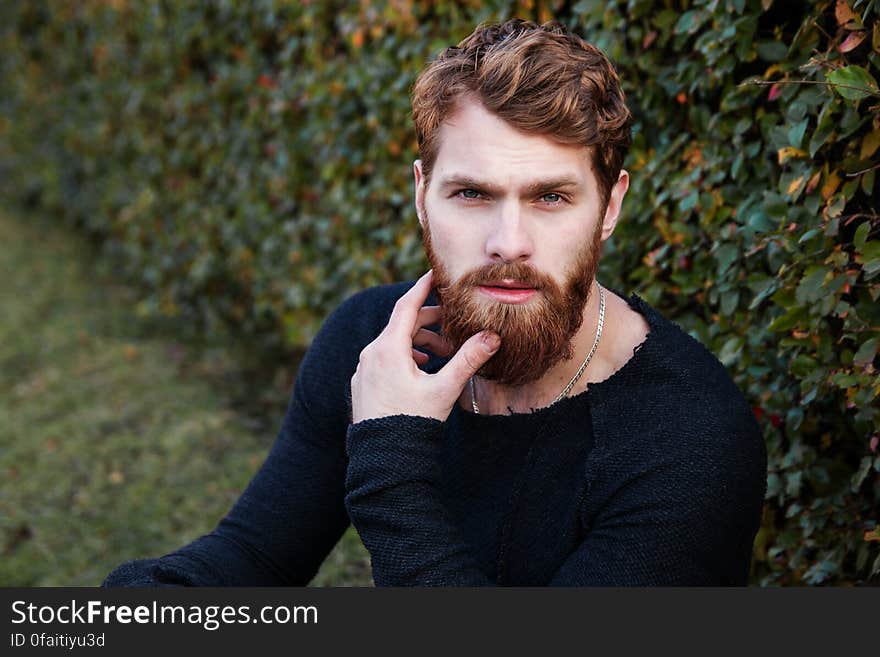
x: 512, y: 225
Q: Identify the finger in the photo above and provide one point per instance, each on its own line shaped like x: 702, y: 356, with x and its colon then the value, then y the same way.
x: 420, y: 357
x: 473, y: 354
x: 427, y: 315
x: 406, y: 311
x: 438, y: 345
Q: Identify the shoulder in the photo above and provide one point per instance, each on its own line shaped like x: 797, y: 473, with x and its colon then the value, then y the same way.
x: 355, y: 323
x: 673, y: 362
x: 675, y: 396
x: 372, y: 301
x: 364, y: 314
x: 360, y: 319
x: 324, y: 375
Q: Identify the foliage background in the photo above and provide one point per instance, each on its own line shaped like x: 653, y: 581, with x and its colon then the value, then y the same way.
x: 247, y: 165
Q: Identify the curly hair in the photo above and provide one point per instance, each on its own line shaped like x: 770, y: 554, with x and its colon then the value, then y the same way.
x: 541, y: 79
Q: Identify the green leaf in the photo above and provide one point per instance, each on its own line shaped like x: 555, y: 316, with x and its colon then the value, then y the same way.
x: 796, y: 133
x: 861, y: 234
x: 772, y: 51
x: 787, y: 321
x: 762, y: 291
x: 871, y: 250
x: 866, y: 352
x: 871, y: 255
x: 793, y: 483
x: 810, y: 234
x: 794, y: 418
x: 726, y: 255
x: 810, y: 286
x: 853, y: 82
x: 867, y: 182
x: 760, y: 222
x: 731, y: 351
x: 729, y: 302
x: 775, y: 205
x: 802, y: 365
x: 844, y: 380
x: 824, y: 127
x: 690, y: 21
x: 774, y: 486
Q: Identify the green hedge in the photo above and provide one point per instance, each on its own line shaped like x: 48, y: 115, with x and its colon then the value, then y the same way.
x: 248, y: 165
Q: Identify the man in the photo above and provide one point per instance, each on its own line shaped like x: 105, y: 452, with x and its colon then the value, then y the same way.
x: 551, y: 432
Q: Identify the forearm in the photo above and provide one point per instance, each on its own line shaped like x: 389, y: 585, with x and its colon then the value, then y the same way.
x: 208, y: 561
x: 393, y: 501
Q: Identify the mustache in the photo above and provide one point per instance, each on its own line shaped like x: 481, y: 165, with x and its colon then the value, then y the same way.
x: 517, y: 271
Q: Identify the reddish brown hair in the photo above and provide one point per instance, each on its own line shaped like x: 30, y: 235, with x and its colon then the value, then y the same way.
x: 539, y: 78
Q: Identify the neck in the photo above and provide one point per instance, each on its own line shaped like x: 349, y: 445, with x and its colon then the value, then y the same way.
x: 498, y: 399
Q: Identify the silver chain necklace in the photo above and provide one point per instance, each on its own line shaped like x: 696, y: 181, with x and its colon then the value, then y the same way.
x: 583, y: 366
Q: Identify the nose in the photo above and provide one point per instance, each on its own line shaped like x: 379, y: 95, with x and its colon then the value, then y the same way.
x: 509, y: 239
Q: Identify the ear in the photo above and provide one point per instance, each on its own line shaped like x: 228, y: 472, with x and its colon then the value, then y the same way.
x: 615, y: 201
x: 419, y: 179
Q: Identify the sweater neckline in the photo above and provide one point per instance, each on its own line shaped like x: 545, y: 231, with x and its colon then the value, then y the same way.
x: 642, y: 353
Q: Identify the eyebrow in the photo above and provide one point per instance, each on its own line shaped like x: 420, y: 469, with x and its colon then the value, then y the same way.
x: 533, y: 188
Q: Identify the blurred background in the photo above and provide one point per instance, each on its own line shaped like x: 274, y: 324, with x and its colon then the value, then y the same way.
x: 188, y: 188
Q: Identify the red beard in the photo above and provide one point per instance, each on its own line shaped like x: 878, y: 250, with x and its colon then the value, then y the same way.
x: 534, y: 335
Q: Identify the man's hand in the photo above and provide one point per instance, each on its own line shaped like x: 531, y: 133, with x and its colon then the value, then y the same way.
x: 388, y: 381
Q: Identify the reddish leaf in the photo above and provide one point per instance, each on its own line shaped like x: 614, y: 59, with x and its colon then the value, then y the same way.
x: 774, y: 92
x: 357, y: 39
x: 844, y: 13
x: 266, y: 82
x: 852, y: 41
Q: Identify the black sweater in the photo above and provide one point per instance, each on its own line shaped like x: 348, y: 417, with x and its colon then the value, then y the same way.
x: 655, y: 476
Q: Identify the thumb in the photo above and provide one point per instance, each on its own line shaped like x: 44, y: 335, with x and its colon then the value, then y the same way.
x: 473, y: 354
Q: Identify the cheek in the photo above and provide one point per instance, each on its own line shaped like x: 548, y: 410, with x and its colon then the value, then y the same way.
x: 453, y: 251
x: 558, y: 256
x: 456, y: 243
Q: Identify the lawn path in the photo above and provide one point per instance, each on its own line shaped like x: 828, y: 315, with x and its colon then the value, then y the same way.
x: 114, y: 440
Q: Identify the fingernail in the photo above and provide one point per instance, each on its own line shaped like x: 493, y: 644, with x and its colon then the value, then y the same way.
x: 491, y: 341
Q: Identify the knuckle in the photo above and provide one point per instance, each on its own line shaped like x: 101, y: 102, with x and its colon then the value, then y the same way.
x: 366, y: 354
x: 374, y: 355
x: 471, y: 361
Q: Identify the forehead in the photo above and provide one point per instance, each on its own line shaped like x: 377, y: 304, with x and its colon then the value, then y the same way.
x: 476, y: 142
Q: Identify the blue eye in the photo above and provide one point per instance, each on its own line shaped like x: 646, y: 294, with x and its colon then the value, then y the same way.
x: 470, y: 193
x: 552, y: 197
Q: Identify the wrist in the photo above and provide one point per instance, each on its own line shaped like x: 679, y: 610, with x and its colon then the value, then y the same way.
x: 383, y: 451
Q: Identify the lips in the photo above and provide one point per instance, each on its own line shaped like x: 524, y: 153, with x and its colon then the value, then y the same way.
x: 508, y: 291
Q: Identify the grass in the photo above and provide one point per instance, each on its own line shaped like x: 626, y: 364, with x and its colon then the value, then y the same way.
x: 118, y: 439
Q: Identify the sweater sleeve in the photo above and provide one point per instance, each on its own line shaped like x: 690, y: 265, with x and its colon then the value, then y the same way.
x: 292, y: 512
x: 394, y: 504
